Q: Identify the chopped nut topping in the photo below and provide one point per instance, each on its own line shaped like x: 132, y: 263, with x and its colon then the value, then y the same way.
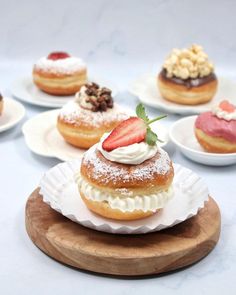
x: 188, y: 63
x: 94, y: 98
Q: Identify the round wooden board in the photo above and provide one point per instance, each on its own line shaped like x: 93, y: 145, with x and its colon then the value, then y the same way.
x: 129, y: 255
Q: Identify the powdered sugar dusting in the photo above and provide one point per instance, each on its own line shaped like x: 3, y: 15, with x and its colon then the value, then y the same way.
x: 67, y: 65
x: 115, y: 172
x: 73, y: 113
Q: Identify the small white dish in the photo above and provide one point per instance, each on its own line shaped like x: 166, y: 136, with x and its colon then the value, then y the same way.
x: 182, y: 134
x: 147, y: 91
x: 13, y: 112
x: 42, y: 137
x: 25, y: 90
x: 59, y: 190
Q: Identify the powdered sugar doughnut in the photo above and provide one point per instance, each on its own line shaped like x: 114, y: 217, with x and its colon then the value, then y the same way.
x: 82, y: 124
x: 60, y: 73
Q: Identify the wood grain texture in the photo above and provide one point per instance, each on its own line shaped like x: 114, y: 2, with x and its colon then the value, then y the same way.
x: 129, y: 255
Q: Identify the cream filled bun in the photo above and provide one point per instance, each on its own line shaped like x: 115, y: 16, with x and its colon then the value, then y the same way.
x: 83, y: 121
x: 124, y: 177
x: 60, y: 74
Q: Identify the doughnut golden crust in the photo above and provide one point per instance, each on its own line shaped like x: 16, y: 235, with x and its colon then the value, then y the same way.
x: 214, y: 144
x: 181, y: 94
x: 59, y: 84
x: 154, y: 173
x: 1, y: 106
x: 82, y: 135
x: 103, y: 209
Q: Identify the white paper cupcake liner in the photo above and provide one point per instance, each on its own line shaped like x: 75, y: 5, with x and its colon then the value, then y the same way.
x: 59, y: 190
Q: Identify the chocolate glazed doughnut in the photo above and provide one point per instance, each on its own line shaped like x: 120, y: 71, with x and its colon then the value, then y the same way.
x: 190, y: 91
x: 187, y: 77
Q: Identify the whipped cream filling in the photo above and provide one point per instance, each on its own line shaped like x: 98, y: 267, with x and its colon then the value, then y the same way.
x: 66, y: 65
x: 81, y: 97
x: 133, y: 154
x: 221, y: 114
x: 123, y: 201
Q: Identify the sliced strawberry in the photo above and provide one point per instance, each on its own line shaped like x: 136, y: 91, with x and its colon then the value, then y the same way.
x: 130, y: 131
x: 58, y: 55
x: 225, y: 105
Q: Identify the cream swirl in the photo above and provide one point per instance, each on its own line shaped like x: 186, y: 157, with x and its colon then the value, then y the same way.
x: 133, y: 154
x: 221, y: 114
x: 82, y: 98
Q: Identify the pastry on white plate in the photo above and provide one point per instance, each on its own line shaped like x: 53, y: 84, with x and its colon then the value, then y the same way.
x: 126, y: 176
x: 82, y: 122
x: 60, y: 73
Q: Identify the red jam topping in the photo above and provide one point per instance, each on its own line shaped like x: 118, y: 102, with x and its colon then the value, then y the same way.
x: 58, y: 55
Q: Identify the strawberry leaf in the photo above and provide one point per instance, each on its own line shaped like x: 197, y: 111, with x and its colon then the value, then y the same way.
x: 151, y: 137
x: 141, y: 113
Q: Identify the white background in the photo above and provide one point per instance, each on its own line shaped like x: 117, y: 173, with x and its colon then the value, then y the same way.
x: 119, y: 40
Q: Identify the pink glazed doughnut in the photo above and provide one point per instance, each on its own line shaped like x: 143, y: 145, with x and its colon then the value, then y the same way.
x: 216, y: 130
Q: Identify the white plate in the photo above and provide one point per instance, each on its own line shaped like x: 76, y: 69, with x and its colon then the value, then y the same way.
x: 147, y: 91
x: 182, y: 134
x: 42, y: 137
x: 25, y: 90
x: 13, y: 112
x: 59, y: 190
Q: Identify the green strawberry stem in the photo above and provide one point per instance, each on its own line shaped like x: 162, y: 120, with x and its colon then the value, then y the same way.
x: 151, y: 137
x: 156, y: 119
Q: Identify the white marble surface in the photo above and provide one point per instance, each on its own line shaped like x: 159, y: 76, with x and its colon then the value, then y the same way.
x: 120, y: 40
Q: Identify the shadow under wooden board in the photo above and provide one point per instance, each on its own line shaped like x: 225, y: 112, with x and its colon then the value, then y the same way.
x: 126, y: 255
